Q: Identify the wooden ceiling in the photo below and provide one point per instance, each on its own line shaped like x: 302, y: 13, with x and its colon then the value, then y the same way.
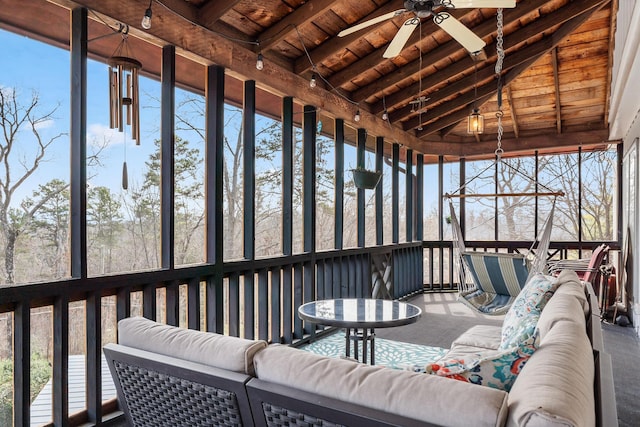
x: 556, y: 73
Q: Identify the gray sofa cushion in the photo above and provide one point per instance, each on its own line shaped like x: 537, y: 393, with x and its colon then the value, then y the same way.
x: 555, y: 388
x: 220, y: 351
x: 414, y: 395
x: 480, y: 336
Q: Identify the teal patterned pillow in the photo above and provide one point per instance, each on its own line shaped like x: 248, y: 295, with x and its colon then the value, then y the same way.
x: 521, y: 319
x: 496, y: 369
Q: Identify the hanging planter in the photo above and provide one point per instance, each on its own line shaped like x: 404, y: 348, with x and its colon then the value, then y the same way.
x: 366, y: 179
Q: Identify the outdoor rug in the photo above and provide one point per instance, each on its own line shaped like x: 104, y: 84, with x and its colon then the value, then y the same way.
x: 392, y: 354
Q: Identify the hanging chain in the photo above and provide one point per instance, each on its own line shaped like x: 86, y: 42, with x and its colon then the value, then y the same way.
x: 499, y: 62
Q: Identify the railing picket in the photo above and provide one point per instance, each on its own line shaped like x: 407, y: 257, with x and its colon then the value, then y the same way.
x: 21, y: 364
x: 263, y: 302
x: 93, y: 375
x: 193, y: 304
x: 234, y: 305
x: 292, y: 306
x: 249, y: 306
x: 276, y: 297
x: 60, y: 380
x: 287, y: 301
x: 172, y: 304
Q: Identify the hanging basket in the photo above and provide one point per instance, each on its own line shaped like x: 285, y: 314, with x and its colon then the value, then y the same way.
x: 366, y: 179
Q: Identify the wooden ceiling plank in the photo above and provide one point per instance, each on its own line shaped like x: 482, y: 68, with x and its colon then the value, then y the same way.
x: 212, y: 11
x: 538, y: 49
x: 483, y: 30
x: 336, y: 44
x: 556, y: 84
x: 538, y: 27
x: 370, y: 61
x: 512, y: 112
x: 298, y: 18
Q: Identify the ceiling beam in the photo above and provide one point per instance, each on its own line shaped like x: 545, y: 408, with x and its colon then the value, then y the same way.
x: 337, y: 44
x: 298, y: 18
x: 373, y: 59
x: 212, y: 11
x: 534, y: 51
x: 529, y: 144
x: 556, y: 84
x: 483, y: 30
x: 512, y: 40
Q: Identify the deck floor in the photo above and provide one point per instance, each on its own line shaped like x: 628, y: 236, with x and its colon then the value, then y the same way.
x: 444, y: 318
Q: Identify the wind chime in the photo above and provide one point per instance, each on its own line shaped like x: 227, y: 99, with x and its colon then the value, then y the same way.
x: 124, y: 102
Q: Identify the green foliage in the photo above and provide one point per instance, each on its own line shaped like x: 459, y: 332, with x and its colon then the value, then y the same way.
x: 40, y: 374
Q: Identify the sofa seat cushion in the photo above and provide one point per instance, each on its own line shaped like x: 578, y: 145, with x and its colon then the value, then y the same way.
x: 555, y: 388
x: 480, y: 336
x: 220, y: 351
x: 414, y: 395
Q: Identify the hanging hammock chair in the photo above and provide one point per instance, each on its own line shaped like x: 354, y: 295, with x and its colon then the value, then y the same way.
x: 490, y: 281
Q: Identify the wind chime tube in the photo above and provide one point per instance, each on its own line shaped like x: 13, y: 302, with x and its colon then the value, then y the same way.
x: 135, y: 105
x: 120, y: 100
x: 112, y: 98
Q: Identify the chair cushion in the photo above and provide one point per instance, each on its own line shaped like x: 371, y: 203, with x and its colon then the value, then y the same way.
x: 220, y: 351
x: 494, y: 368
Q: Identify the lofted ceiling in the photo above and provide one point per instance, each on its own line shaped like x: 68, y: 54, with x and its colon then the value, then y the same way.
x: 555, y: 78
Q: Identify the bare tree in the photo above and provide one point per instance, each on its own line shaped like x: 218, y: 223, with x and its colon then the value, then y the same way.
x: 16, y: 118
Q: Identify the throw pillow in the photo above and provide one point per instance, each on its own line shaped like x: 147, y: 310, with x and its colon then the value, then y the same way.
x: 497, y: 369
x: 521, y: 319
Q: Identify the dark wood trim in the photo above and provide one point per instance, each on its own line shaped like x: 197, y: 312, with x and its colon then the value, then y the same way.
x: 380, y: 191
x: 339, y: 180
x: 167, y: 150
x: 249, y: 170
x: 22, y: 364
x: 94, y: 357
x: 361, y: 143
x: 395, y: 194
x: 408, y: 176
x: 309, y: 181
x: 60, y: 379
x: 78, y: 140
x: 287, y: 175
x: 420, y: 197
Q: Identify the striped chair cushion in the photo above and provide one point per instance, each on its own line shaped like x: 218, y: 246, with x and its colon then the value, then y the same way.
x: 497, y: 273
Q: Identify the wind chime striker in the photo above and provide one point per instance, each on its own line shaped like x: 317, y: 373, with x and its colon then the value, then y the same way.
x: 124, y: 102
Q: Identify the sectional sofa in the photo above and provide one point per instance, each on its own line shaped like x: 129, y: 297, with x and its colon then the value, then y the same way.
x: 172, y: 376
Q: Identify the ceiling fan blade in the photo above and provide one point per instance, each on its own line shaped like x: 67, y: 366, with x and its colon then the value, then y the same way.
x: 477, y: 4
x: 370, y: 22
x: 459, y: 31
x: 398, y: 42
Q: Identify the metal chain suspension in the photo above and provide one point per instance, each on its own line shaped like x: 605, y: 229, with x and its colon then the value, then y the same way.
x: 499, y: 63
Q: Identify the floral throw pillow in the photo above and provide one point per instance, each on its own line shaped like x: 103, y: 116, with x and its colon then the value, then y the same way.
x: 496, y: 369
x: 521, y: 319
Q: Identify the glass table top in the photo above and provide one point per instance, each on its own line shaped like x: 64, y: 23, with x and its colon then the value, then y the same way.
x: 359, y: 312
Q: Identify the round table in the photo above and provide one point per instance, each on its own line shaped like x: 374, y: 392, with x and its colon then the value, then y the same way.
x: 360, y: 313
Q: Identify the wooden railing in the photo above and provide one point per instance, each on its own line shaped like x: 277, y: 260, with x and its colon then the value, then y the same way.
x: 251, y: 299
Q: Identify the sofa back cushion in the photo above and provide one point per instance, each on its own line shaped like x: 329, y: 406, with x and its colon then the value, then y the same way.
x: 426, y: 398
x: 220, y: 351
x: 556, y: 385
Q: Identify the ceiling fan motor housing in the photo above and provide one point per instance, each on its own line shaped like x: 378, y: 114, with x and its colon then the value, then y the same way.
x: 422, y: 8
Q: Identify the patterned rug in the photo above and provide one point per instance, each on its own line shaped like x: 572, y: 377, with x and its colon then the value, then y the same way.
x: 392, y: 354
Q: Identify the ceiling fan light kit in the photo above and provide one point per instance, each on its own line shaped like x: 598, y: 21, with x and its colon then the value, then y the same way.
x: 436, y: 8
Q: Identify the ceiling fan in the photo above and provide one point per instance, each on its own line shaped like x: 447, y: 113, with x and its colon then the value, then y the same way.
x: 425, y: 8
